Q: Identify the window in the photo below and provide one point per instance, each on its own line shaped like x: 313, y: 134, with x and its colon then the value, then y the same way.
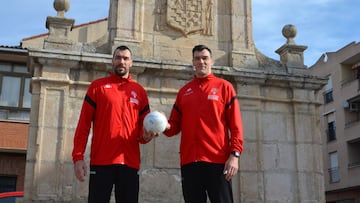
x: 342, y: 201
x: 334, y: 168
x: 331, y: 131
x: 10, y: 91
x: 7, y: 183
x: 328, y: 94
x: 14, y: 86
x: 328, y: 97
x: 15, y: 97
x: 331, y: 127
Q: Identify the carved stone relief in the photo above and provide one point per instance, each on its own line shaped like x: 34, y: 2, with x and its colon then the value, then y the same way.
x: 186, y: 16
x: 209, y: 18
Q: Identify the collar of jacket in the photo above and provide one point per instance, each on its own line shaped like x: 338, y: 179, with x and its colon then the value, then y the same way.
x: 204, y: 79
x: 119, y: 79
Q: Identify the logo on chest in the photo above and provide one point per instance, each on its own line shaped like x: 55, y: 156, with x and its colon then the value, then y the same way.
x: 213, y: 94
x: 133, y: 98
x: 107, y: 86
x: 188, y: 91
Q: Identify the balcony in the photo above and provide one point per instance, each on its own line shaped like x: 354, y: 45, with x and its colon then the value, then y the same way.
x: 354, y: 165
x: 354, y: 153
x: 352, y: 118
x: 352, y: 130
x: 353, y: 175
x: 350, y: 88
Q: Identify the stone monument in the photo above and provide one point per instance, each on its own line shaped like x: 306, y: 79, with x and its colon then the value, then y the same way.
x: 282, y: 158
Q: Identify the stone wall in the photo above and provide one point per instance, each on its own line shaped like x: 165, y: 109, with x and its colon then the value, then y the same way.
x: 281, y: 161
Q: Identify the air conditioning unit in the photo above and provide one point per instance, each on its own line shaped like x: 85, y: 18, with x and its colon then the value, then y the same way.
x: 354, y: 106
x: 345, y: 104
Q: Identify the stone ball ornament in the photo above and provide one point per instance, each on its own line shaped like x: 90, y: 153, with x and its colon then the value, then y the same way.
x: 61, y: 5
x: 289, y: 32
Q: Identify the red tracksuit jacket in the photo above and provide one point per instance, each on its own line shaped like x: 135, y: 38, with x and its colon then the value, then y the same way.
x: 115, y: 109
x: 205, y: 111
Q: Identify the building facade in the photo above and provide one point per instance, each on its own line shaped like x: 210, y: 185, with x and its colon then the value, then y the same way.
x: 340, y: 122
x: 279, y: 101
x: 15, y: 103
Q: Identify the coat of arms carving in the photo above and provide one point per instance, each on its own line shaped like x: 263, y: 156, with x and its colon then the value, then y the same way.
x: 190, y: 16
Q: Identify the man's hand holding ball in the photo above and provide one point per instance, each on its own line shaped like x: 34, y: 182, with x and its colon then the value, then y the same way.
x: 155, y: 123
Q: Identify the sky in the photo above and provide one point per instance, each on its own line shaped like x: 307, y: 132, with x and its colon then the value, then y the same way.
x: 322, y: 25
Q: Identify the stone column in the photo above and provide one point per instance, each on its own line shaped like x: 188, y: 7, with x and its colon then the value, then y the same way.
x: 49, y: 170
x: 243, y: 49
x: 125, y: 23
x: 48, y: 173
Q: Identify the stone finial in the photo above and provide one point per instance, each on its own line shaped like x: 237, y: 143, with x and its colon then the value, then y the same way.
x: 289, y: 32
x: 291, y: 54
x: 61, y: 6
x: 59, y: 28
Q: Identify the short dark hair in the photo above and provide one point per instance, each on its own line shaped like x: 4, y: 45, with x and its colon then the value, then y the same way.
x: 200, y: 47
x: 122, y: 48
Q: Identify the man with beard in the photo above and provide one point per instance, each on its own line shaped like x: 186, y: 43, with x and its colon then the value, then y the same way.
x: 115, y: 107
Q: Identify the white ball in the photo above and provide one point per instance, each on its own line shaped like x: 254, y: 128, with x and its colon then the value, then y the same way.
x: 155, y: 122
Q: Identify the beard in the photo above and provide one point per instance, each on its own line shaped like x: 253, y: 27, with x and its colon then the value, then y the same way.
x: 121, y: 71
